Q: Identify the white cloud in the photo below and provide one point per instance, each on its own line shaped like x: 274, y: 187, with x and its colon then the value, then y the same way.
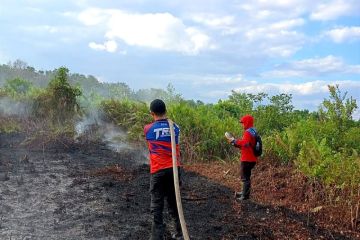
x: 287, y: 24
x: 206, y: 80
x: 275, y: 10
x: 109, y: 46
x: 270, y: 28
x: 213, y: 80
x: 306, y: 94
x: 283, y: 50
x: 280, y: 4
x: 313, y: 67
x: 215, y: 94
x: 213, y: 20
x: 274, y: 28
x: 42, y: 28
x: 93, y: 16
x: 160, y: 31
x: 344, y: 34
x: 257, y: 27
x: 226, y: 24
x: 335, y: 9
x: 302, y: 88
x: 275, y: 42
x: 306, y: 88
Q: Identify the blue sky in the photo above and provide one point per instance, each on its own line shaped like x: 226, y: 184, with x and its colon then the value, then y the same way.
x: 203, y: 48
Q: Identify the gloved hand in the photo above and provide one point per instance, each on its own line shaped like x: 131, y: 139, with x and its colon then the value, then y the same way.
x: 230, y: 138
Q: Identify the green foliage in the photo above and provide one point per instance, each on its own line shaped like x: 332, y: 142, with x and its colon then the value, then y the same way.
x: 241, y: 100
x: 228, y: 108
x: 90, y: 102
x: 120, y: 91
x: 317, y: 159
x: 351, y: 139
x: 18, y: 87
x: 325, y: 148
x: 147, y: 95
x: 129, y: 115
x: 269, y: 118
x: 286, y: 144
x: 338, y: 108
x: 282, y: 102
x: 277, y: 115
x: 58, y: 101
x: 202, y: 132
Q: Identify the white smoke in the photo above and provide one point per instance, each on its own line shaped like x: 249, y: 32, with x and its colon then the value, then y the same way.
x: 109, y: 133
x: 115, y: 138
x: 82, y: 126
x: 11, y: 107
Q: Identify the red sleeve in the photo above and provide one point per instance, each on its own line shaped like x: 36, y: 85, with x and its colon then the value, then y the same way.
x: 245, y: 141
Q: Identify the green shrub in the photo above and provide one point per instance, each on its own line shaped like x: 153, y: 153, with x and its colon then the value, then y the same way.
x: 317, y: 159
x: 58, y: 102
x: 286, y: 145
x: 202, y: 132
x: 129, y: 115
x: 17, y: 87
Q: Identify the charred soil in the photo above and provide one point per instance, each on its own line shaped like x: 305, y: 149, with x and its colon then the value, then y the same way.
x: 88, y: 191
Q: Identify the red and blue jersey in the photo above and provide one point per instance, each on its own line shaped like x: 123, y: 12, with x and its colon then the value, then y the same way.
x: 158, y: 138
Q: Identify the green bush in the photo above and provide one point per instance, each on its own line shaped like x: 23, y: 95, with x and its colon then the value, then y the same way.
x: 58, y: 102
x: 129, y: 115
x: 285, y: 145
x: 317, y: 159
x: 18, y: 88
x: 202, y: 132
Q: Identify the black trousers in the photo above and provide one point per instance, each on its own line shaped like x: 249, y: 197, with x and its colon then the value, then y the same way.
x: 245, y: 174
x: 161, y: 188
x: 245, y: 170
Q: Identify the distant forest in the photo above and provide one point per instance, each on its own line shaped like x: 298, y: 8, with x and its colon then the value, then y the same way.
x: 90, y: 85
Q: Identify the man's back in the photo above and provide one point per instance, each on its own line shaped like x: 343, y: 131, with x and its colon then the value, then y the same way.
x: 158, y: 138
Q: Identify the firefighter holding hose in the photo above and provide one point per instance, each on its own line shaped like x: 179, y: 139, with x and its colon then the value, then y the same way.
x: 158, y: 139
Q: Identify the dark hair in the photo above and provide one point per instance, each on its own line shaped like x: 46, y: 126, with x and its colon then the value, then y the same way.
x: 158, y: 107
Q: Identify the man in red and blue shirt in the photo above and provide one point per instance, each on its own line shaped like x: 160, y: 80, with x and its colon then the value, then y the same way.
x: 158, y: 139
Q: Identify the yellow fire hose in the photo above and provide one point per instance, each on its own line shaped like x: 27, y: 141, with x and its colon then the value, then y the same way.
x: 176, y: 182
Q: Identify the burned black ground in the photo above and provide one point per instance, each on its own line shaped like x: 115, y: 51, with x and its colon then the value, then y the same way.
x: 88, y: 191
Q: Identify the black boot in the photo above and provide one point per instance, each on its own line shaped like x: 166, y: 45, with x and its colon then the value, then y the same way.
x: 245, y: 194
x: 237, y: 194
x: 157, y: 231
x: 175, y: 229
